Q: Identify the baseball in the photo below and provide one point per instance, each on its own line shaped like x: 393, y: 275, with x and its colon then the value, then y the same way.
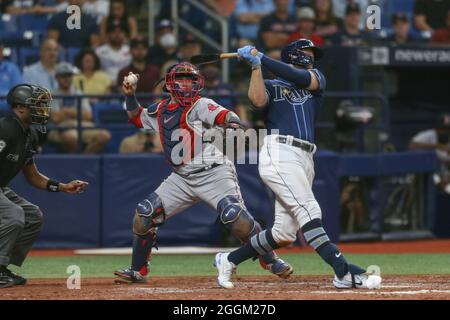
x: 373, y: 282
x: 131, y: 79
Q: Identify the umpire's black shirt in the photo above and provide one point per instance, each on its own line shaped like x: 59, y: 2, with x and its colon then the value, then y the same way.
x: 17, y: 147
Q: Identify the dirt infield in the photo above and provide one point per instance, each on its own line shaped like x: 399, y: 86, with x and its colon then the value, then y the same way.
x: 249, y: 287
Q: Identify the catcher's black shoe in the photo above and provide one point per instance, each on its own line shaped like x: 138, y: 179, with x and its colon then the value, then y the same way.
x: 17, y: 280
x: 129, y: 276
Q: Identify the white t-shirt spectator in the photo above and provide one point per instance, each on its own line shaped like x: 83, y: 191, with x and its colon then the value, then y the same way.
x: 431, y: 137
x: 112, y: 61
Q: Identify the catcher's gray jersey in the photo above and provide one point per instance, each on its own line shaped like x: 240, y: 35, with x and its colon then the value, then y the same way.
x: 198, y: 122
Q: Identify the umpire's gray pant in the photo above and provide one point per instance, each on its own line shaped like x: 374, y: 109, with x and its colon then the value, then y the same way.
x: 20, y: 224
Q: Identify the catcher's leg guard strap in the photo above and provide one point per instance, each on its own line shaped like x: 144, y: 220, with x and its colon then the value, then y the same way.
x: 142, y: 249
x: 236, y: 218
x: 149, y: 213
x: 316, y: 237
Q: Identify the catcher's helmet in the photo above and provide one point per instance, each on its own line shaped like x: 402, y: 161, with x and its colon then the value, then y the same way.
x: 36, y: 98
x: 184, y: 82
x: 293, y: 54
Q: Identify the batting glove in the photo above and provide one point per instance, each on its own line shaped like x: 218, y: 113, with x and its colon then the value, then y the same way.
x: 254, y: 60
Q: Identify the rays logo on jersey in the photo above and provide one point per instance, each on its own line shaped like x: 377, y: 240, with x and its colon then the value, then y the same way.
x: 292, y: 95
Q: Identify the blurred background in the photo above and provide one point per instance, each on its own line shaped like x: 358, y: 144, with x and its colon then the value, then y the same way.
x: 382, y: 172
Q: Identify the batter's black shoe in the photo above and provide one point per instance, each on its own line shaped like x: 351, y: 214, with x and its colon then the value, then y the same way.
x: 17, y: 280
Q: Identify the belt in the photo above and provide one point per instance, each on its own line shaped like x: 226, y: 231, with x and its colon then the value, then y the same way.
x: 211, y: 166
x: 306, y: 146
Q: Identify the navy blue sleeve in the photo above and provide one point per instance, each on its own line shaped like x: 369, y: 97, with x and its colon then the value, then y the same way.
x: 300, y: 77
x: 55, y: 22
x: 321, y: 79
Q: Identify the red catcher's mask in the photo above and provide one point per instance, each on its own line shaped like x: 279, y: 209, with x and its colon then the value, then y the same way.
x: 184, y: 83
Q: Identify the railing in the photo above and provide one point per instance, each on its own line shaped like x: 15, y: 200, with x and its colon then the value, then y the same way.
x: 382, y: 125
x: 223, y: 46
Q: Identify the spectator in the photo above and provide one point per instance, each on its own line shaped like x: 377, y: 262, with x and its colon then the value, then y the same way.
x: 64, y: 115
x: 350, y: 34
x: 340, y: 7
x: 429, y: 15
x: 148, y: 73
x: 189, y: 47
x: 165, y: 48
x: 327, y: 24
x: 215, y: 87
x: 118, y: 16
x: 249, y: 14
x: 115, y: 54
x: 275, y: 28
x: 85, y: 36
x: 306, y: 27
x: 91, y: 80
x: 225, y: 8
x: 401, y: 35
x: 9, y: 74
x: 140, y: 142
x: 98, y: 9
x: 437, y: 139
x: 442, y: 36
x: 30, y: 7
x: 43, y: 72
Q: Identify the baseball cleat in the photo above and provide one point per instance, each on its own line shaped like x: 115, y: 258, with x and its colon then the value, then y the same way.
x: 358, y: 281
x: 280, y: 268
x: 226, y: 270
x: 129, y: 276
x: 5, y: 281
x: 17, y: 280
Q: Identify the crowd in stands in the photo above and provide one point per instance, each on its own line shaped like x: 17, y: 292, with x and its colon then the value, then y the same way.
x: 93, y: 59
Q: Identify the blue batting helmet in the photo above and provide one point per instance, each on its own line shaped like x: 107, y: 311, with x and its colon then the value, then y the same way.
x: 293, y: 54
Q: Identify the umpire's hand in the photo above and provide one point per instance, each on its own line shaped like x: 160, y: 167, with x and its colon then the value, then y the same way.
x: 73, y: 187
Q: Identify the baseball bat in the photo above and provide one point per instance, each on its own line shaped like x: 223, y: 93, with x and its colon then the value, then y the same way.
x: 210, y: 58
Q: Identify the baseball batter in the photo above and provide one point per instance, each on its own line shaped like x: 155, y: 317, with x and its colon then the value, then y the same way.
x: 291, y: 102
x: 201, y: 171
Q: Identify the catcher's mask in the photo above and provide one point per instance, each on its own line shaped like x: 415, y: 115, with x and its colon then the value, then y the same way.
x: 36, y: 98
x: 184, y: 82
x: 293, y: 53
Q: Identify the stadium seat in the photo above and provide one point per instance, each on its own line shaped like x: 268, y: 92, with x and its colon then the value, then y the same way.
x: 8, y: 23
x: 11, y: 54
x: 108, y: 113
x: 401, y: 6
x: 105, y: 113
x: 16, y: 38
x: 33, y: 22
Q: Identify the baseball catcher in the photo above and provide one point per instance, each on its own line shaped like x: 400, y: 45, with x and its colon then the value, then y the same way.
x: 201, y: 172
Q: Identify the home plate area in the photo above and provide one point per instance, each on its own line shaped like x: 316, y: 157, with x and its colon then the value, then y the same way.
x: 436, y: 287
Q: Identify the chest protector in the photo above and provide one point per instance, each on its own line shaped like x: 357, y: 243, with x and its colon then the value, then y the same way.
x: 175, y: 132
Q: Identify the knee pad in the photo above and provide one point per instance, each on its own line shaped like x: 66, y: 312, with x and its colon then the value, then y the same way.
x: 148, y: 215
x: 235, y: 217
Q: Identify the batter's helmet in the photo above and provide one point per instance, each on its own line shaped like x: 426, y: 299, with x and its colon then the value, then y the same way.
x: 36, y: 98
x: 184, y: 82
x: 293, y: 54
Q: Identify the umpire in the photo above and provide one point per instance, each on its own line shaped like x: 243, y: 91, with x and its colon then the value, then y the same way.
x: 20, y: 220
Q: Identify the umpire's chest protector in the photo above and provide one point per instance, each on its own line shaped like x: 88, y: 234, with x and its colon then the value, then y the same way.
x: 173, y: 130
